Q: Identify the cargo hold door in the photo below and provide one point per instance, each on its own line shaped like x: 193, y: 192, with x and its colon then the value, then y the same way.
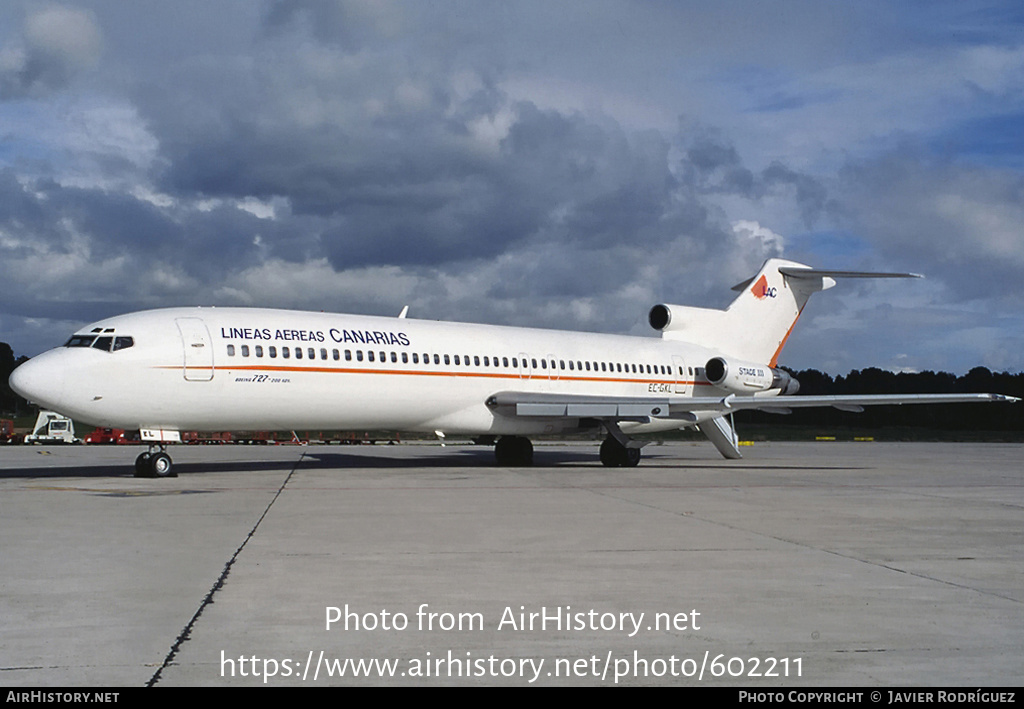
x: 195, y: 338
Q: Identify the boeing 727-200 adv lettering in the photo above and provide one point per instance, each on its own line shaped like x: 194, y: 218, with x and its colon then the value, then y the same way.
x: 223, y: 369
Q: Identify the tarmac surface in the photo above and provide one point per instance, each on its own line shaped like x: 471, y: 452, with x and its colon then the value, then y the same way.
x: 804, y: 564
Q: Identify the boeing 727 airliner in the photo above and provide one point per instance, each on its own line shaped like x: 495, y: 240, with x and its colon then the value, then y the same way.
x: 222, y: 369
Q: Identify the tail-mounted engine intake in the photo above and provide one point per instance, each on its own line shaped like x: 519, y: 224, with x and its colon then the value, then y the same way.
x: 746, y: 377
x: 660, y: 316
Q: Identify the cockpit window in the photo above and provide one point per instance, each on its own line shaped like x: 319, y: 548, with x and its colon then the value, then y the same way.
x: 107, y: 343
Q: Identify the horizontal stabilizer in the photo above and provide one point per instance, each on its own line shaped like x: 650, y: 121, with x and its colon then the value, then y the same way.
x: 804, y: 272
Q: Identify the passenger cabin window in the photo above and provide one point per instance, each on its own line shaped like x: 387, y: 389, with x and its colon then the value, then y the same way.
x: 231, y: 350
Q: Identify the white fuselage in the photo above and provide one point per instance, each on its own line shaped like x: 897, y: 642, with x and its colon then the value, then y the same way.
x: 256, y: 369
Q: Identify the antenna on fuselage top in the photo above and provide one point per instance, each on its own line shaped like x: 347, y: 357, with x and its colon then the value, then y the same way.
x: 405, y: 311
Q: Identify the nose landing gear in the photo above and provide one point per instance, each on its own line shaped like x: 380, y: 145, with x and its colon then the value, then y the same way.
x: 154, y: 463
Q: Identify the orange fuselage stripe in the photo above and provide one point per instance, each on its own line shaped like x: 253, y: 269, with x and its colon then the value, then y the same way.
x: 429, y: 373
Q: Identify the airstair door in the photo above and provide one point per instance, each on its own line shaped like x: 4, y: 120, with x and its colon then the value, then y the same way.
x: 195, y: 338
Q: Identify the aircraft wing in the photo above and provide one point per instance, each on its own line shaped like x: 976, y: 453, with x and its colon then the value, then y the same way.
x: 617, y: 408
x: 612, y: 410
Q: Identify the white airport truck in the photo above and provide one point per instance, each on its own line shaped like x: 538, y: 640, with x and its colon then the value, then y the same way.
x: 52, y: 427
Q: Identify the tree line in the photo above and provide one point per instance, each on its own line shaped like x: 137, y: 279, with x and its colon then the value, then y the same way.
x: 941, y: 417
x: 10, y: 403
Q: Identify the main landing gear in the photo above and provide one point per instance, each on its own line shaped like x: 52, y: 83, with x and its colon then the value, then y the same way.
x: 154, y: 463
x: 514, y: 451
x: 616, y: 455
x: 518, y: 451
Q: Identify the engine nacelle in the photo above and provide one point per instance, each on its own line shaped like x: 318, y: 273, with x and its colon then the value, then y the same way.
x: 747, y: 377
x: 685, y: 320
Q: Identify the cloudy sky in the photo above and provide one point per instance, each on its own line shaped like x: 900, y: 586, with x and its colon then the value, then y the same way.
x: 556, y: 164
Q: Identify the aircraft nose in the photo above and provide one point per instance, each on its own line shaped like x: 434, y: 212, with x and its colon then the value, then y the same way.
x: 40, y: 380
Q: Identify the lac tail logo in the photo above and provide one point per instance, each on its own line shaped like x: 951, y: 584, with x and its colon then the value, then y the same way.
x: 761, y: 289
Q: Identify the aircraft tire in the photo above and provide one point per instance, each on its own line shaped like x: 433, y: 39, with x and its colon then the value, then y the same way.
x: 525, y: 452
x: 615, y: 455
x: 142, y: 469
x: 610, y: 457
x: 514, y: 451
x: 160, y: 466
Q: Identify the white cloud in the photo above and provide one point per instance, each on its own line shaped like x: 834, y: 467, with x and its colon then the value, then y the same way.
x: 762, y: 237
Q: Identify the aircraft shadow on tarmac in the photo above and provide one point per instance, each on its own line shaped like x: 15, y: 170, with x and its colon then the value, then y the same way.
x: 467, y: 458
x: 126, y: 470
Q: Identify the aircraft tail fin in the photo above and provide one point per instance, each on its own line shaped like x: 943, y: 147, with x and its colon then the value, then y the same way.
x: 758, y: 322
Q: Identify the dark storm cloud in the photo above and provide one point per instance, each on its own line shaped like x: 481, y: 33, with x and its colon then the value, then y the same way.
x: 413, y: 187
x: 18, y: 207
x: 60, y: 220
x: 55, y: 45
x: 811, y: 196
x: 715, y: 166
x: 351, y: 25
x: 384, y: 161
